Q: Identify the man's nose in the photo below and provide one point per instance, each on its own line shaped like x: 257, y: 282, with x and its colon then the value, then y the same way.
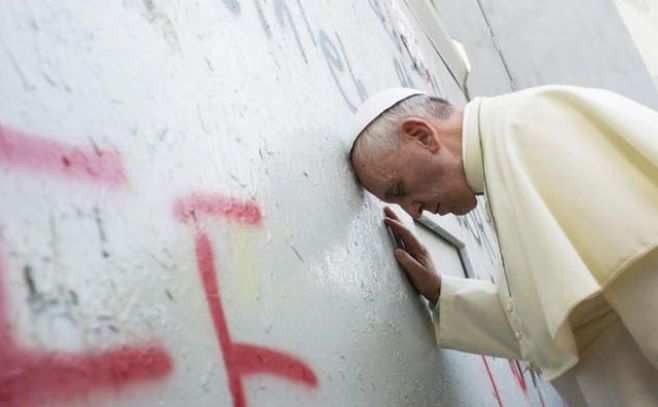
x: 414, y: 209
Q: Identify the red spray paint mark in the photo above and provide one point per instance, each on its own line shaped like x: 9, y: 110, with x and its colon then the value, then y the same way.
x: 196, y: 206
x: 29, y: 378
x: 37, y: 154
x: 240, y: 359
x: 518, y: 375
x: 493, y: 382
x: 256, y: 360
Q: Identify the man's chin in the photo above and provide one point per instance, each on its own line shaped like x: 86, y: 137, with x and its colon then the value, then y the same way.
x: 462, y: 211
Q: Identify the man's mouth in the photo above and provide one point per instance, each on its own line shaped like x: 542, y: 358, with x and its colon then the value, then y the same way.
x: 441, y: 209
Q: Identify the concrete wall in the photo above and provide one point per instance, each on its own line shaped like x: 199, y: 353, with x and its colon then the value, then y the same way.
x: 518, y: 44
x: 641, y: 18
x: 179, y: 224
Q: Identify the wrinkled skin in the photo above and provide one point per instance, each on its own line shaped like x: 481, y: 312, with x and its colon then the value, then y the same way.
x: 415, y: 259
x: 425, y: 173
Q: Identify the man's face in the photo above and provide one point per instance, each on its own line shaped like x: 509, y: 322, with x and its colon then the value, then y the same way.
x: 418, y: 176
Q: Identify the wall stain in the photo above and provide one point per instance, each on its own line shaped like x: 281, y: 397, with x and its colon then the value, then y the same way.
x: 163, y: 24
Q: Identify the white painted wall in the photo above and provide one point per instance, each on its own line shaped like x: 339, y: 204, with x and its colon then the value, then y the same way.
x: 179, y: 224
x: 514, y: 45
x: 641, y: 18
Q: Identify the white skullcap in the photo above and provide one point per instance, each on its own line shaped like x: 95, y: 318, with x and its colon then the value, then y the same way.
x: 377, y: 104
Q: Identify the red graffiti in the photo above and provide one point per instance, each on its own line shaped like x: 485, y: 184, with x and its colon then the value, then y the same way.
x: 195, y: 206
x: 240, y: 359
x: 29, y: 378
x: 518, y: 375
x: 493, y: 382
x: 37, y: 154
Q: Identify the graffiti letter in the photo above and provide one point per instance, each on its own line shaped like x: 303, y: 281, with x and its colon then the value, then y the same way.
x: 282, y: 11
x: 240, y: 359
x: 29, y: 377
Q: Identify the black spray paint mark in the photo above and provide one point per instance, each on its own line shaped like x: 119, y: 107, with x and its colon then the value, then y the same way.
x: 403, y: 75
x: 435, y: 86
x: 263, y: 21
x: 377, y: 8
x: 390, y: 30
x: 331, y: 52
x: 480, y: 223
x: 474, y: 223
x: 397, y: 41
x: 361, y: 90
x: 400, y: 43
x: 29, y: 281
x: 419, y: 68
x: 335, y: 63
x: 101, y: 232
x: 233, y: 5
x: 308, y: 26
x: 282, y: 11
x: 99, y: 225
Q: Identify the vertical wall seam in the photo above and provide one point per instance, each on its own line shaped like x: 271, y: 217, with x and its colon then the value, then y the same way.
x: 496, y: 45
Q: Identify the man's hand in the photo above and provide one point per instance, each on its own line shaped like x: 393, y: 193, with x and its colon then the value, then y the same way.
x: 415, y: 259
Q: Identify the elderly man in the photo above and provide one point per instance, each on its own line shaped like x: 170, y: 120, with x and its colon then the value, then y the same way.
x: 571, y: 178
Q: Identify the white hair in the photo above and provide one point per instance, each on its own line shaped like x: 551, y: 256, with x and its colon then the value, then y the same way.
x: 382, y: 134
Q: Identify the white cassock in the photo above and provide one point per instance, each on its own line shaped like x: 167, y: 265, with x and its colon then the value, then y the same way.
x: 571, y: 178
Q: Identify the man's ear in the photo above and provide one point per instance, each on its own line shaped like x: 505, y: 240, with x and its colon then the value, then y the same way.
x: 420, y: 131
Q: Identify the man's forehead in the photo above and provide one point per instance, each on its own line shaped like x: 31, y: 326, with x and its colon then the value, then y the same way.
x: 375, y: 177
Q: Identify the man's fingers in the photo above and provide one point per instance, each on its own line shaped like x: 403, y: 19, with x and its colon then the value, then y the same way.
x: 408, y: 262
x: 416, y: 271
x: 410, y: 240
x: 390, y: 213
x: 427, y: 283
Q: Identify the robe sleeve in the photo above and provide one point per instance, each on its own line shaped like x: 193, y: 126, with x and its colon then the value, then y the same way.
x: 634, y: 296
x: 470, y: 318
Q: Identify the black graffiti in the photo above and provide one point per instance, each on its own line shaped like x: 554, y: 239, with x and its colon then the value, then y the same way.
x: 333, y: 49
x: 435, y: 86
x: 308, y: 26
x: 335, y: 63
x: 282, y: 11
x: 403, y: 75
x: 360, y: 89
x: 263, y: 22
x: 474, y: 223
x: 377, y: 8
x: 400, y: 43
x: 233, y: 5
x: 334, y: 55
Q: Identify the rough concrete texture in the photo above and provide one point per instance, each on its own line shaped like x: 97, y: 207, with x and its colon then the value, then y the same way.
x: 179, y: 224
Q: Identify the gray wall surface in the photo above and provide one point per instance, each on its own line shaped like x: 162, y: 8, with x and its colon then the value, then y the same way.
x: 179, y: 224
x: 518, y: 44
x: 641, y: 18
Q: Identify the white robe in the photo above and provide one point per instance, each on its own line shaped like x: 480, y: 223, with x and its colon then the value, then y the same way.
x: 571, y: 177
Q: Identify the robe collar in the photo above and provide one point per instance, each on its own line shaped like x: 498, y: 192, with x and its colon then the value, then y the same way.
x: 471, y: 147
